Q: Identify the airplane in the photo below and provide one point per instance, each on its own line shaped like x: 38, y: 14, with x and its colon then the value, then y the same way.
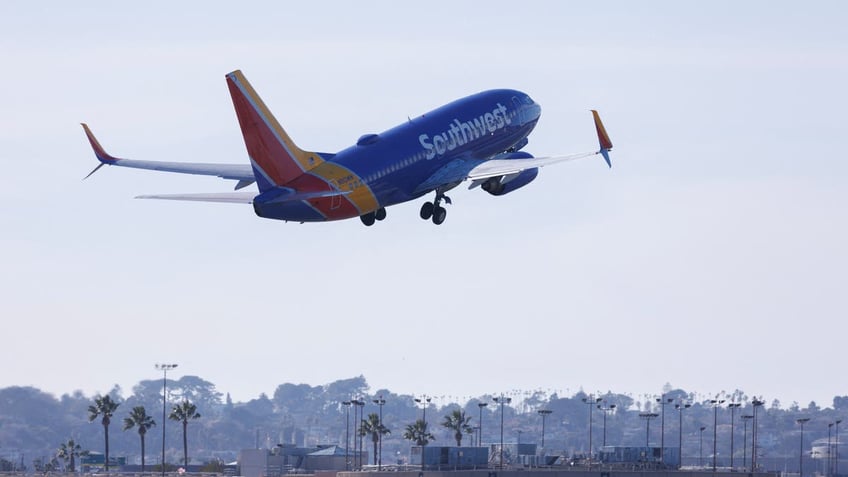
x: 477, y: 138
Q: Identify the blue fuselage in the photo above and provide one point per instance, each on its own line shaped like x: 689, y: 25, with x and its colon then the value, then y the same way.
x: 413, y: 158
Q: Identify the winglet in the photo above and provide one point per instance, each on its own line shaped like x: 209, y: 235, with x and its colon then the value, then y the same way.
x: 99, y: 152
x: 603, y: 138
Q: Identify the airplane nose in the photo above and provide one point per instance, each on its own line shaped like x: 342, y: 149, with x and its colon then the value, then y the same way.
x: 530, y: 112
x: 535, y: 111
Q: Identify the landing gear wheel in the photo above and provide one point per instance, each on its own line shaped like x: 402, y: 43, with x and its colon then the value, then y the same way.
x: 368, y: 219
x: 439, y: 215
x: 380, y: 214
x: 427, y: 210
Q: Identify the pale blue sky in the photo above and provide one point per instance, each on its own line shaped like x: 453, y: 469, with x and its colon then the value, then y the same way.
x: 712, y: 256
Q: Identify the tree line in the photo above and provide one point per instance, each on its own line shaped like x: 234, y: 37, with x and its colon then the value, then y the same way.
x: 33, y: 423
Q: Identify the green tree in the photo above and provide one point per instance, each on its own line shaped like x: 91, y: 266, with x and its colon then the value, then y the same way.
x: 418, y: 433
x: 184, y: 412
x: 459, y: 423
x: 103, y: 407
x: 68, y: 452
x: 374, y: 428
x: 139, y: 418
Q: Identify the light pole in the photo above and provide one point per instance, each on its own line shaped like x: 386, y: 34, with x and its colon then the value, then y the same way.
x: 424, y: 401
x: 801, y: 453
x: 732, y: 407
x: 680, y: 408
x: 829, y: 451
x: 360, y: 404
x: 592, y: 402
x: 701, y: 448
x: 836, y: 467
x: 380, y: 401
x: 164, y: 368
x: 347, y: 404
x: 745, y: 418
x: 716, y: 403
x: 647, y: 416
x: 756, y: 403
x: 544, y: 413
x: 480, y: 405
x: 502, y: 400
x: 663, y: 401
x: 606, y: 409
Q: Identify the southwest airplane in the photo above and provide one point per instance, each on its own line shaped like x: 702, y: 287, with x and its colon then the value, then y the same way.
x: 477, y: 138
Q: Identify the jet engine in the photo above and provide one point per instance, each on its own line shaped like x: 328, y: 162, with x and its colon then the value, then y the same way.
x: 500, y: 185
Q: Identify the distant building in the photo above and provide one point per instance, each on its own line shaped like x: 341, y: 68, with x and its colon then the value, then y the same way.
x: 449, y: 458
x: 823, y: 448
x: 516, y: 455
x: 289, y: 459
x: 649, y: 456
x: 95, y: 461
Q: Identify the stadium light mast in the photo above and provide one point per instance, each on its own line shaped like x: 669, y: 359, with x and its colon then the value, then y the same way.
x: 502, y: 400
x: 801, y: 421
x: 680, y: 408
x: 164, y: 368
x: 544, y: 413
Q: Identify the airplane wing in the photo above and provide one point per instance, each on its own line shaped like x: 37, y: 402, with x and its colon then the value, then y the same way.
x: 478, y: 171
x: 499, y: 167
x: 243, y: 173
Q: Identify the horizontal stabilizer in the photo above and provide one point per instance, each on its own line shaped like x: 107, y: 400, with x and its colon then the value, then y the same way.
x: 228, y: 197
x: 283, y: 194
x: 276, y: 195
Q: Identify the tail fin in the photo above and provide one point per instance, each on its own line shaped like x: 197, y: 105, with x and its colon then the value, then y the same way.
x: 275, y: 158
x: 603, y: 138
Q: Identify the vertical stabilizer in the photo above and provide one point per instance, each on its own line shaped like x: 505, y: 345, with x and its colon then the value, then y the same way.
x: 275, y: 158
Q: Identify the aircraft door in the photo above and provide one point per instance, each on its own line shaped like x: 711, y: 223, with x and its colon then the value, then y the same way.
x: 335, y: 202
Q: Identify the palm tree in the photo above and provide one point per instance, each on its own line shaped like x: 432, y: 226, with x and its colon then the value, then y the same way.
x: 139, y: 418
x: 103, y: 406
x: 458, y: 422
x: 184, y: 412
x: 373, y: 427
x: 68, y: 452
x: 418, y: 433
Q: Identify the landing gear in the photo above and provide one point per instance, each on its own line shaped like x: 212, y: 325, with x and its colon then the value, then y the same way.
x: 439, y: 215
x: 380, y: 214
x: 369, y: 218
x: 434, y: 210
x: 427, y: 210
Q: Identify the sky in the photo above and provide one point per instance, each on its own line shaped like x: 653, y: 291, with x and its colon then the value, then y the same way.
x: 711, y: 257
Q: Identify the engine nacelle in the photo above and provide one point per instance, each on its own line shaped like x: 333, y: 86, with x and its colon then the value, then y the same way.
x: 501, y: 185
